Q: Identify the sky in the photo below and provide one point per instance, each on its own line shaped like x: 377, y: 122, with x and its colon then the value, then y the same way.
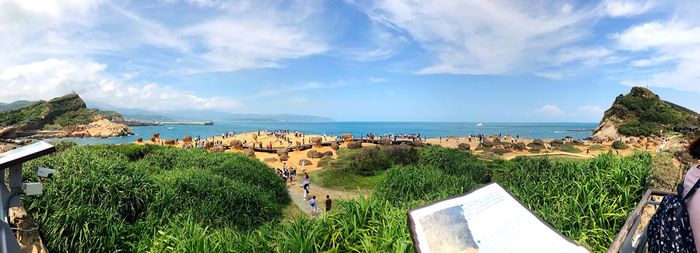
x: 353, y: 60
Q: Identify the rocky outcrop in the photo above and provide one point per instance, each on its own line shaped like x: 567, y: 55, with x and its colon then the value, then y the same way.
x: 100, y: 129
x: 65, y: 116
x: 607, y: 129
x: 643, y: 113
x: 354, y: 144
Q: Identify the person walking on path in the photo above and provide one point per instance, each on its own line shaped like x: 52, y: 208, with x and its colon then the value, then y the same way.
x: 312, y: 202
x: 328, y: 203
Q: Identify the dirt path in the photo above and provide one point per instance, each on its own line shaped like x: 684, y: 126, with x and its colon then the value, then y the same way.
x: 297, y: 195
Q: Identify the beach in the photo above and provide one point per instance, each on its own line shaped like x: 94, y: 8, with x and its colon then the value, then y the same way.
x: 265, y: 146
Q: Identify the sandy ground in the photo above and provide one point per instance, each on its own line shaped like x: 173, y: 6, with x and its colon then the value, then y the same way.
x: 453, y: 142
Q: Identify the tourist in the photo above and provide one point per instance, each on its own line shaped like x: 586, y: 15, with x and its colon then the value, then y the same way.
x: 305, y: 183
x: 312, y: 202
x: 693, y: 203
x: 306, y: 192
x: 328, y: 203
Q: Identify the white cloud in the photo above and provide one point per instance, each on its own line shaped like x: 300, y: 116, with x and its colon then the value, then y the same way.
x: 550, y: 75
x: 587, y: 56
x: 232, y: 36
x: 55, y: 77
x: 675, y: 49
x: 551, y: 110
x: 233, y: 43
x: 485, y: 37
x: 656, y: 35
x: 627, y: 8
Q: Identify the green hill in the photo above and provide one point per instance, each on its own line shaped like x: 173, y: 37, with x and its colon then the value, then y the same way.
x: 643, y: 113
x: 57, y: 113
x: 14, y: 105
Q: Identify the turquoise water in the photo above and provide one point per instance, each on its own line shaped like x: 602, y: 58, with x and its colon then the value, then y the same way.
x: 426, y: 129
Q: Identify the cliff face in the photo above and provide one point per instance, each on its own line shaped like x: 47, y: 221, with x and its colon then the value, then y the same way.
x: 643, y: 113
x: 58, y: 117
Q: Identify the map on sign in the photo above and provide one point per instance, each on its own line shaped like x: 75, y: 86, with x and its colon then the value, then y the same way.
x: 25, y: 153
x: 487, y: 220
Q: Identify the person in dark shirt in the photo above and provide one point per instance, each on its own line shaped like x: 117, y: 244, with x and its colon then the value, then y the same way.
x: 328, y: 203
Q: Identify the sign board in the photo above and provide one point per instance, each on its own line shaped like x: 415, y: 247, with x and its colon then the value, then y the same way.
x: 487, y: 220
x: 25, y: 153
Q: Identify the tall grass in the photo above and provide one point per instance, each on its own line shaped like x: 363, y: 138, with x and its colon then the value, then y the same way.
x: 156, y: 199
x: 114, y: 198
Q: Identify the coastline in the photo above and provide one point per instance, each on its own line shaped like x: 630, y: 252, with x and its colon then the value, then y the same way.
x: 298, y: 148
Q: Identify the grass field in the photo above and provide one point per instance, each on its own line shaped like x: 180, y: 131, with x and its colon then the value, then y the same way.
x: 155, y: 199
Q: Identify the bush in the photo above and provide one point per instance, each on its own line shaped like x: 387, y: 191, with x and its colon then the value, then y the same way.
x: 369, y: 161
x: 215, y: 200
x: 634, y: 128
x: 455, y: 162
x: 500, y: 151
x: 619, y: 145
x: 92, y: 202
x: 405, y: 184
x: 401, y: 154
x: 568, y: 147
x: 588, y: 201
x: 104, y: 198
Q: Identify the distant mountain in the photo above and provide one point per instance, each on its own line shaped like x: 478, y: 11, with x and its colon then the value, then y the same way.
x: 14, y: 105
x: 643, y: 113
x: 130, y: 114
x: 206, y: 115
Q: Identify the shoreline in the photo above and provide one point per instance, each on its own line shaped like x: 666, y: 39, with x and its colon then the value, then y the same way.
x: 489, y: 147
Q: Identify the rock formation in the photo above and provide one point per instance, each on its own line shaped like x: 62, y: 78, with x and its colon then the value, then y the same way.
x: 643, y: 113
x: 65, y: 116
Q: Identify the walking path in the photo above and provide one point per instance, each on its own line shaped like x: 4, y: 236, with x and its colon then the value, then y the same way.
x: 297, y: 195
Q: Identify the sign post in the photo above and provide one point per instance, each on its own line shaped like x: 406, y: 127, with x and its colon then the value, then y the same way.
x: 11, y: 162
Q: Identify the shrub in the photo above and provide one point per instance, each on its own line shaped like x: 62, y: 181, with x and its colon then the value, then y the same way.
x: 100, y: 200
x: 455, y: 162
x: 369, y: 161
x: 619, y: 145
x: 568, y: 147
x: 401, y: 154
x: 92, y: 202
x: 500, y: 151
x: 404, y: 184
x: 217, y: 200
x: 588, y: 201
x: 634, y: 128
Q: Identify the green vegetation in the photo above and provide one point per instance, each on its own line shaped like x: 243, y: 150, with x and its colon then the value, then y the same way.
x: 372, y: 159
x: 588, y: 201
x: 118, y: 198
x: 55, y: 114
x: 346, y: 180
x: 14, y: 105
x: 643, y: 113
x: 596, y: 148
x: 142, y: 198
x: 110, y: 115
x: 570, y: 148
x: 618, y: 144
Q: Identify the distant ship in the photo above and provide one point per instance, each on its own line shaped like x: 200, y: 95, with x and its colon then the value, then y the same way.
x: 210, y: 123
x: 479, y: 124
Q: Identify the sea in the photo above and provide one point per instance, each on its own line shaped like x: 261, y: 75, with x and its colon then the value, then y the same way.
x: 425, y: 129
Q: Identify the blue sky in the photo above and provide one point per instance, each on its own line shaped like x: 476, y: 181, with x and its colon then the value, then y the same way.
x: 388, y: 60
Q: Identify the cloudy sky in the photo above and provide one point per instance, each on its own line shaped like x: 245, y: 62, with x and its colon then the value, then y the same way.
x: 353, y: 60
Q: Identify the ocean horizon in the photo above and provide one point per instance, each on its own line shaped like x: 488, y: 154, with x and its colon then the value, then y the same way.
x: 541, y: 130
